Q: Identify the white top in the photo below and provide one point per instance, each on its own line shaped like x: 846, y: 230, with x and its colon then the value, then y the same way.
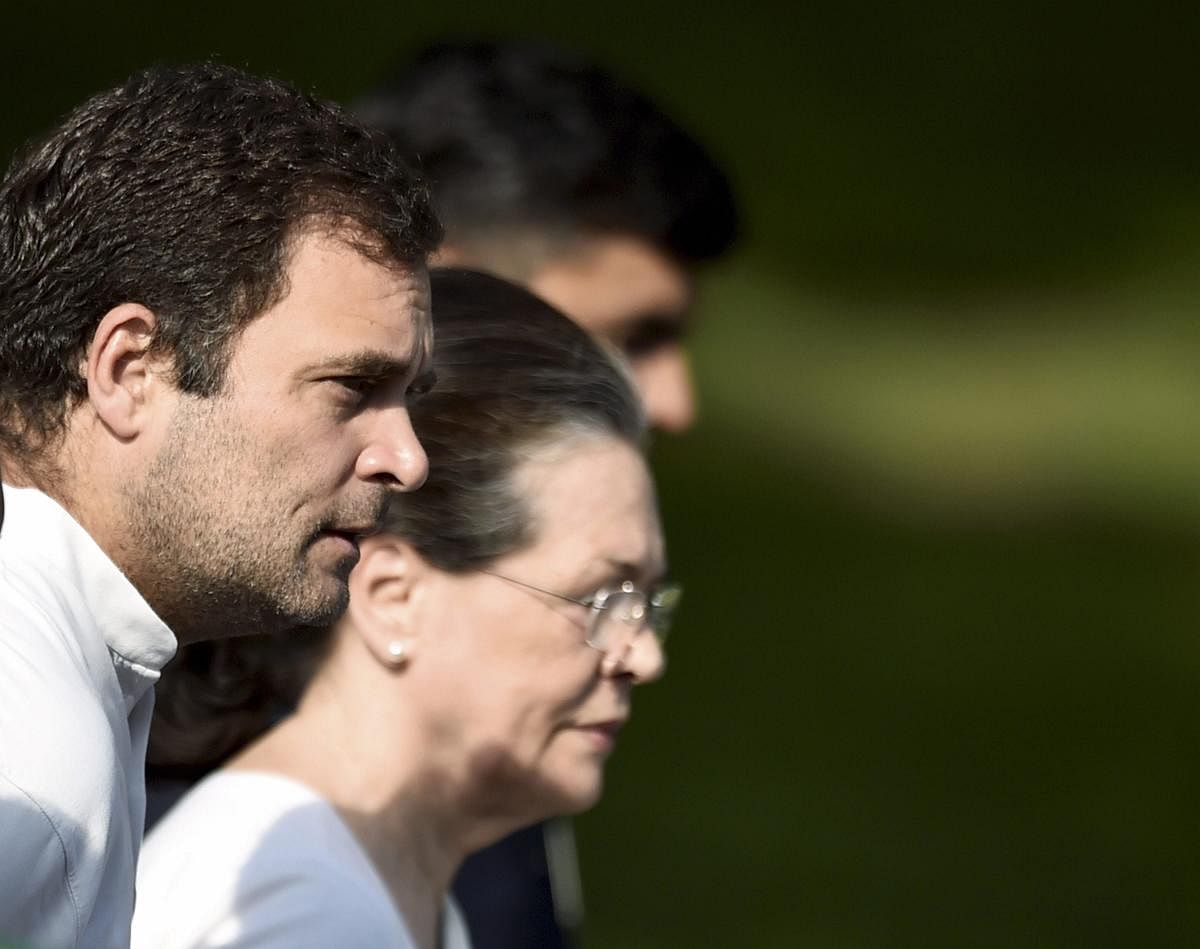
x: 255, y: 859
x: 79, y: 653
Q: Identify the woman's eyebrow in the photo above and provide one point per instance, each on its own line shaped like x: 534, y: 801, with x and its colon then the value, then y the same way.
x: 632, y: 571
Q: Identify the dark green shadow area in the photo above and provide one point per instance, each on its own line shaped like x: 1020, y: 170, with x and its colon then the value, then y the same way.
x: 874, y: 733
x: 879, y: 146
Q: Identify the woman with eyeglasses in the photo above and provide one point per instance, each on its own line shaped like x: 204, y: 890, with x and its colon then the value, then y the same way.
x: 478, y: 681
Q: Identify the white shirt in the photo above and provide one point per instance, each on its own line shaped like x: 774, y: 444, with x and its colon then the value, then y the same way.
x: 80, y: 651
x: 255, y: 859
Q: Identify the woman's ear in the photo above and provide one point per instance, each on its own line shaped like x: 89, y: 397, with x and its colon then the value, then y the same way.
x: 385, y: 594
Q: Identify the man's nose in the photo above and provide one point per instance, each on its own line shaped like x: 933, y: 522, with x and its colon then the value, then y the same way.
x: 393, y: 454
x: 664, y: 380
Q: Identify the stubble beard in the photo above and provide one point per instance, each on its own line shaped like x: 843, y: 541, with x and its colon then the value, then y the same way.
x: 210, y: 546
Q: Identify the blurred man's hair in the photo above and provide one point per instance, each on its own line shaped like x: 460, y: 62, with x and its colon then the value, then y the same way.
x: 520, y: 137
x: 180, y: 189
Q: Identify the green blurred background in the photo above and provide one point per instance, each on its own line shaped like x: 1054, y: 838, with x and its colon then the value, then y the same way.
x: 940, y: 524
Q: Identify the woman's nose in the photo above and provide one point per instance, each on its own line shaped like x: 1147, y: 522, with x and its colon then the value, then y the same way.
x: 642, y: 657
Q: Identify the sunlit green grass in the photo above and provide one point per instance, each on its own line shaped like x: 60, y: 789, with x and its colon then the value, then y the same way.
x: 977, y: 408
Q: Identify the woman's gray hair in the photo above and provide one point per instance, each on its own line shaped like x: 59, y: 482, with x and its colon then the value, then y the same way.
x: 513, y: 374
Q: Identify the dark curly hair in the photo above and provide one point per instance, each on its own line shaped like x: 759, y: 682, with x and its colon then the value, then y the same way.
x: 180, y: 189
x: 512, y: 374
x: 521, y: 135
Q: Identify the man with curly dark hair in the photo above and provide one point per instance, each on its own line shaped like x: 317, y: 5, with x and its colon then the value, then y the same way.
x: 213, y: 306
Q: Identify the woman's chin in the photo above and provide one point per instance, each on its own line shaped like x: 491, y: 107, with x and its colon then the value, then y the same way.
x: 570, y: 797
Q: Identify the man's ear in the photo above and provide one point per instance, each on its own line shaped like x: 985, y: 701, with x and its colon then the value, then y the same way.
x: 122, y: 375
x: 385, y: 595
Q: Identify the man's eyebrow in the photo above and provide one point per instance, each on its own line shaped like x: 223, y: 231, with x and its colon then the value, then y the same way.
x: 370, y: 363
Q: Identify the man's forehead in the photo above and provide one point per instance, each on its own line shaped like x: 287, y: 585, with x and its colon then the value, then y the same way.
x: 342, y: 307
x: 417, y: 275
x: 395, y: 345
x: 609, y: 283
x: 422, y: 317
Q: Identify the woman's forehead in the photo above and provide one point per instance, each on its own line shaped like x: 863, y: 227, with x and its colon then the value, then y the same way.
x: 592, y: 502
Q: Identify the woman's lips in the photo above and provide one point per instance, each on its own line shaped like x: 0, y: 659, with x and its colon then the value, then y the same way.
x: 603, y: 735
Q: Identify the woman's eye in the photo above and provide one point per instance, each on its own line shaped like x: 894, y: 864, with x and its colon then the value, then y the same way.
x: 599, y: 594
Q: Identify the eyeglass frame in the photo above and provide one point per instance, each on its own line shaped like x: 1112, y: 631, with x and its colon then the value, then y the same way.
x: 596, y: 603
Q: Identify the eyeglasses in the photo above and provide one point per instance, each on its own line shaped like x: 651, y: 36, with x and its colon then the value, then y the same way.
x: 618, y: 615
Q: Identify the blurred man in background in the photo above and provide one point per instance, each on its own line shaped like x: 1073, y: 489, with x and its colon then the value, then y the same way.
x: 213, y: 303
x: 549, y: 171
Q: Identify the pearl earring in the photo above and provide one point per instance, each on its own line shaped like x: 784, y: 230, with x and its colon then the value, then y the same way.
x: 397, y: 652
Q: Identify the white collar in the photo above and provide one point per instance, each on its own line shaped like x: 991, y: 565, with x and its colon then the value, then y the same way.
x: 43, y: 532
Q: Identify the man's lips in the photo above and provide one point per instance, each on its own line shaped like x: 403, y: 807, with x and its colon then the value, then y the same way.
x: 351, y: 536
x: 355, y: 520
x: 357, y: 532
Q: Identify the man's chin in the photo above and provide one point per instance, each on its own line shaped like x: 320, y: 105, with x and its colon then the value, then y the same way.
x: 316, y: 594
x: 325, y: 602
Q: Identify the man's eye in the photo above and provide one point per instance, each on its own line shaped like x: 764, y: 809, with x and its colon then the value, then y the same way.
x: 652, y: 334
x: 356, y: 388
x: 420, y: 387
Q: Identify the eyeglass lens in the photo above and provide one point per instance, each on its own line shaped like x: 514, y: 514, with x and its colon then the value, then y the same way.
x: 626, y: 613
